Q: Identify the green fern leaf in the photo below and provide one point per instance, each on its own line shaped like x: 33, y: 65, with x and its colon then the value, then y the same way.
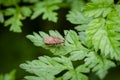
x: 15, y: 23
x: 99, y: 8
x: 100, y: 37
x: 77, y: 4
x: 78, y: 55
x: 38, y: 40
x: 98, y: 64
x: 25, y: 11
x: 71, y: 43
x: 77, y: 17
x: 10, y: 11
x: 18, y: 14
x: 47, y: 68
x: 47, y: 8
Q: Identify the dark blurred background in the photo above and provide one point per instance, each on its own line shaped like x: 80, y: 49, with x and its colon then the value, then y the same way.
x: 15, y: 48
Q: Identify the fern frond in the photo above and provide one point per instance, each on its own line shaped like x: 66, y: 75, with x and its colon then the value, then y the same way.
x: 98, y: 64
x: 17, y: 14
x: 99, y: 8
x: 46, y: 68
x: 46, y: 7
x: 100, y: 36
x: 71, y: 43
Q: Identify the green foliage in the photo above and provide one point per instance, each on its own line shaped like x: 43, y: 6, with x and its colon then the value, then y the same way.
x: 97, y: 8
x: 95, y: 46
x: 8, y: 76
x: 14, y: 22
x: 76, y: 51
x: 102, y: 31
x: 77, y: 17
x: 46, y: 68
x: 103, y: 38
x: 17, y: 13
x: 9, y: 2
x: 99, y: 64
x: 98, y: 27
x: 46, y: 7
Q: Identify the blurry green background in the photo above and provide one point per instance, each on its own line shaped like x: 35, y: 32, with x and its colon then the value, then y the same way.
x: 15, y: 48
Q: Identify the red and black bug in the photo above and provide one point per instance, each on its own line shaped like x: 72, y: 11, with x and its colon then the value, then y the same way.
x: 52, y: 40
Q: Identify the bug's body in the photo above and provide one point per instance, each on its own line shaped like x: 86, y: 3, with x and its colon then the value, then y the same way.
x: 52, y: 40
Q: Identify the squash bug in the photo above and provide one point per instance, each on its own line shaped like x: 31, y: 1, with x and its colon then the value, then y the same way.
x: 52, y: 40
